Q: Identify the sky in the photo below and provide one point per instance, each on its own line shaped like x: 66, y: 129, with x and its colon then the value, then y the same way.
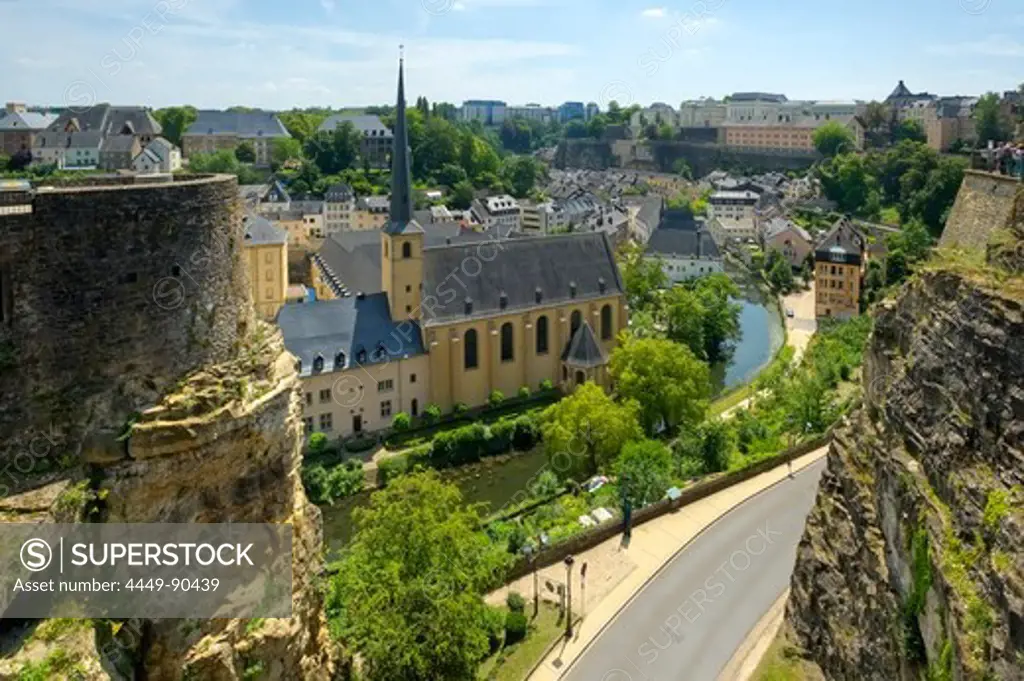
x: 279, y: 55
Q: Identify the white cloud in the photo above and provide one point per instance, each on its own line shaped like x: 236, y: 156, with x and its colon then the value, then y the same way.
x: 653, y: 13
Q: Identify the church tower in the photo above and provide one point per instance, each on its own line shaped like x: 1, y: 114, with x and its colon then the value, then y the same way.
x: 402, y: 237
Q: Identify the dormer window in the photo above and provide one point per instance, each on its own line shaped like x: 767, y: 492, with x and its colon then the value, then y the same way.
x: 361, y: 356
x: 339, y: 361
x: 381, y: 350
x: 298, y: 366
x: 318, y: 364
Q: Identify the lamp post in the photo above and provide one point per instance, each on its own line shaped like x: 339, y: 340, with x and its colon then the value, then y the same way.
x: 569, y: 560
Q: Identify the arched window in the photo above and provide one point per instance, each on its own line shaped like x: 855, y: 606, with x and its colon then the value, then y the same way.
x: 407, y: 250
x: 580, y: 378
x: 542, y: 335
x: 469, y: 351
x: 606, y: 322
x: 575, y: 322
x: 415, y: 407
x: 507, y: 337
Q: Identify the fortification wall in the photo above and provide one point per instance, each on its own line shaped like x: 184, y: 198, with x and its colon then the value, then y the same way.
x: 112, y: 293
x: 983, y: 205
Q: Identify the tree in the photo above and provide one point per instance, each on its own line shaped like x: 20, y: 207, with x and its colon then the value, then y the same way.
x: 684, y: 318
x: 175, y: 121
x: 933, y: 201
x: 668, y: 382
x: 908, y: 130
x: 596, y: 126
x: 989, y: 120
x: 437, y: 146
x: 665, y: 132
x: 682, y: 169
x: 516, y: 135
x: 520, y: 174
x: 302, y: 125
x: 643, y: 276
x: 833, y: 138
x: 906, y: 248
x: 575, y: 129
x: 877, y: 119
x: 780, y: 275
x: 584, y: 432
x: 20, y: 160
x: 336, y: 150
x: 408, y: 596
x: 284, y: 149
x: 461, y: 196
x: 644, y: 471
x: 721, y: 314
x: 716, y: 443
x: 847, y: 180
x: 450, y: 174
x: 245, y: 153
x: 223, y: 161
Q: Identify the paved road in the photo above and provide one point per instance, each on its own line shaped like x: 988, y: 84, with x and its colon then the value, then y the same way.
x: 687, y: 623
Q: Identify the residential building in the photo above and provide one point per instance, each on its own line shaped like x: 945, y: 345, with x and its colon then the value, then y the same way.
x: 952, y: 122
x: 570, y: 111
x: 487, y: 111
x: 340, y: 200
x: 378, y: 139
x: 497, y: 210
x: 19, y: 127
x: 266, y: 254
x: 159, y: 156
x: 314, y: 217
x: 69, y: 150
x: 794, y: 136
x: 371, y: 212
x: 118, y: 151
x: 530, y: 112
x: 839, y: 266
x: 217, y: 130
x: 901, y: 97
x: 592, y: 110
x: 686, y: 250
x: 294, y: 224
x: 725, y: 230
x: 265, y: 198
x: 524, y: 311
x: 733, y: 205
x: 789, y: 239
x: 762, y: 107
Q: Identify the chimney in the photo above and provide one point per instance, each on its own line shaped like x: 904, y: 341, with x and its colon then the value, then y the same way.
x: 360, y: 296
x: 503, y: 300
x: 538, y: 294
x: 15, y: 107
x: 469, y: 306
x: 572, y: 289
x: 601, y: 284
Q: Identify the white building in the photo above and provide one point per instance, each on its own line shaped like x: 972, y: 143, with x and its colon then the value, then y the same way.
x: 733, y: 205
x: 497, y: 210
x: 340, y: 205
x: 159, y: 156
x: 724, y: 230
x: 67, y: 149
x: 530, y: 112
x: 702, y: 113
x: 487, y: 111
x: 687, y: 252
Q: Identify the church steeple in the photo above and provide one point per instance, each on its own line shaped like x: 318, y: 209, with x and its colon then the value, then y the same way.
x: 401, y: 220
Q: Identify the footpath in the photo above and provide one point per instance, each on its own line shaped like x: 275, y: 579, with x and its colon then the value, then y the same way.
x: 615, y: 573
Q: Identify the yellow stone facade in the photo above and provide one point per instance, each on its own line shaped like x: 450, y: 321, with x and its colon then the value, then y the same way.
x: 268, y: 277
x: 837, y: 290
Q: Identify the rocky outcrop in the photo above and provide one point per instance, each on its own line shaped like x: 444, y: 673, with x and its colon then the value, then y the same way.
x: 912, y: 562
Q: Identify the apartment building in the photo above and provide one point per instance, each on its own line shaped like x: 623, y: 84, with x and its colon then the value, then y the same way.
x: 19, y: 127
x: 266, y: 254
x: 839, y: 265
x: 217, y: 130
x: 497, y: 210
x: 371, y: 212
x: 340, y: 200
x: 733, y: 205
x: 378, y: 140
x: 486, y: 111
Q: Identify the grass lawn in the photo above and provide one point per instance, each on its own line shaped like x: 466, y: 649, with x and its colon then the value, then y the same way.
x: 781, y: 663
x: 516, y: 661
x: 730, y: 399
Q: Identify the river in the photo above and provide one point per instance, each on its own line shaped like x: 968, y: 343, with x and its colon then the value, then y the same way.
x: 496, y: 482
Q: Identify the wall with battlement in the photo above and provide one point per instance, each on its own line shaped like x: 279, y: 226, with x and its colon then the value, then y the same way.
x: 984, y: 204
x: 112, y: 292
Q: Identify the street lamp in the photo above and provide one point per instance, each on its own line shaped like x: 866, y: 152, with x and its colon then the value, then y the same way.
x: 569, y: 560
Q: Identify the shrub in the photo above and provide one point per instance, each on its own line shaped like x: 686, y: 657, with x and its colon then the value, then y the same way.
x: 515, y: 627
x: 495, y: 399
x: 546, y: 485
x: 459, y: 446
x: 515, y: 602
x: 345, y: 480
x: 419, y: 457
x: 315, y: 480
x: 391, y: 468
x: 500, y: 440
x: 526, y: 434
x: 494, y: 623
x: 358, y: 445
x: 401, y: 422
x: 517, y: 539
x: 546, y: 385
x: 317, y: 444
x: 460, y: 408
x: 524, y: 392
x: 431, y: 414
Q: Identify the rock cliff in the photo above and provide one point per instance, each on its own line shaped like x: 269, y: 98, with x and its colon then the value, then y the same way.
x: 912, y: 561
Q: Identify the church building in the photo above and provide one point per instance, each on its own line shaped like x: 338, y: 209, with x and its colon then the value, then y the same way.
x: 449, y: 319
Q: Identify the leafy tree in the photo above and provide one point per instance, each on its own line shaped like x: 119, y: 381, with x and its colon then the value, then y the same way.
x: 684, y: 317
x: 716, y: 443
x: 461, y: 196
x: 450, y: 174
x: 665, y: 132
x: 445, y: 110
x: 721, y: 314
x: 437, y: 146
x: 644, y: 471
x: 989, y: 120
x: 833, y: 138
x: 245, y: 153
x: 877, y: 119
x: 908, y: 130
x: 516, y: 135
x: 932, y: 202
x: 408, y: 596
x: 847, y: 180
x: 302, y: 125
x: 308, y: 181
x: 682, y: 169
x: 905, y: 248
x: 284, y: 149
x: 780, y: 275
x: 596, y: 126
x: 21, y: 160
x: 175, y: 121
x: 643, y: 276
x: 401, y: 422
x: 336, y: 150
x: 586, y: 431
x: 223, y: 161
x: 575, y: 129
x: 520, y: 174
x: 668, y: 382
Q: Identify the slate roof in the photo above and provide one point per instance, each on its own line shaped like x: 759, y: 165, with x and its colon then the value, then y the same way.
x: 339, y: 193
x: 111, y: 120
x: 361, y: 328
x: 843, y: 243
x: 683, y: 242
x: 776, y: 226
x: 29, y: 120
x: 517, y: 268
x: 583, y: 349
x: 757, y: 96
x: 240, y: 123
x: 118, y: 144
x: 260, y: 231
x: 364, y: 123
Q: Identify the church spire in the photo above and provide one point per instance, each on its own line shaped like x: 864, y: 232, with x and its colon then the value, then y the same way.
x: 401, y: 220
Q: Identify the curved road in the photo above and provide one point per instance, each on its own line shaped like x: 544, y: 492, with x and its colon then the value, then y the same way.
x: 687, y: 623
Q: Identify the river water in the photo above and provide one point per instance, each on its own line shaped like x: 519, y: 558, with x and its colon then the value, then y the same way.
x: 495, y: 483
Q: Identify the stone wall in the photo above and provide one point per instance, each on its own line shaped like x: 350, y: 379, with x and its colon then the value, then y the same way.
x: 983, y: 205
x: 115, y: 292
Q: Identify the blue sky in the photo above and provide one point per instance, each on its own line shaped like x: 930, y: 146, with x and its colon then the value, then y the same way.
x: 216, y: 53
